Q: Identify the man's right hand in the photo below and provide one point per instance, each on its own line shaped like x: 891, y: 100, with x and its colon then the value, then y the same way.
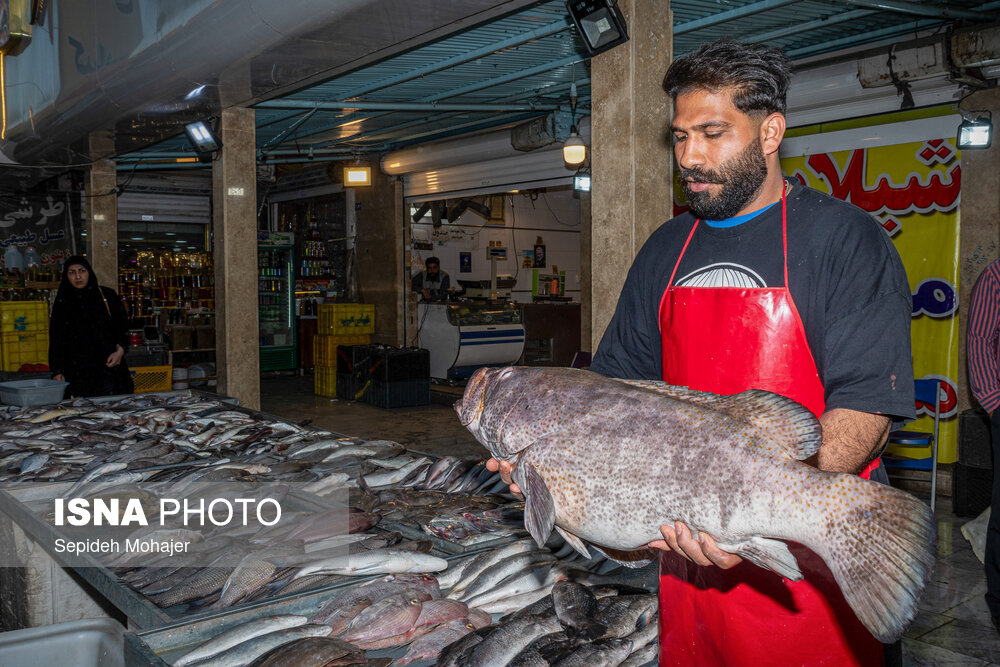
x: 426, y: 293
x: 505, y: 469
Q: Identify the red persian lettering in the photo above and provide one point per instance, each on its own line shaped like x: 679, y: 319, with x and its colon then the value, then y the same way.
x: 940, y: 192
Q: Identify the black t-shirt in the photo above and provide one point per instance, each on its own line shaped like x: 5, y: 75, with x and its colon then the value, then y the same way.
x: 844, y: 275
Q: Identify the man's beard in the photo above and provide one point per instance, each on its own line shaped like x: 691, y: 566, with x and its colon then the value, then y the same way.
x: 741, y: 179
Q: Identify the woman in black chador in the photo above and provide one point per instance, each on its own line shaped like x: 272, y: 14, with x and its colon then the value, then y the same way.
x: 88, y: 335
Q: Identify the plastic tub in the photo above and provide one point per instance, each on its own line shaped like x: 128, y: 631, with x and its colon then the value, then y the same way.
x: 32, y: 392
x: 180, y: 378
x: 84, y: 643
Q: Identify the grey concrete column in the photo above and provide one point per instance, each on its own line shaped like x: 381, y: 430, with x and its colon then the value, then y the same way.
x: 102, y: 208
x: 234, y: 221
x: 631, y: 162
x: 379, y: 253
x: 980, y: 223
x: 587, y: 343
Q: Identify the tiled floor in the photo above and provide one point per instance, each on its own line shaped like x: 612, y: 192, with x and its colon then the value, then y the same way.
x: 953, y: 628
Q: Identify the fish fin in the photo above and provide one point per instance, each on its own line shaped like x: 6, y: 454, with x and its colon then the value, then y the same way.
x: 631, y: 559
x: 880, y: 545
x: 779, y: 419
x: 539, y: 508
x: 769, y: 554
x: 574, y: 542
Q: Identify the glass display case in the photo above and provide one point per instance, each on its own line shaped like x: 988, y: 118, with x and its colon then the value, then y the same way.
x: 471, y: 313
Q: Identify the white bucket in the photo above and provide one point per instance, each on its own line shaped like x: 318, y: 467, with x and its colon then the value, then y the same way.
x: 180, y: 376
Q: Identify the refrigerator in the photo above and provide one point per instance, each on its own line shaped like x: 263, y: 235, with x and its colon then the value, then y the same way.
x: 276, y: 300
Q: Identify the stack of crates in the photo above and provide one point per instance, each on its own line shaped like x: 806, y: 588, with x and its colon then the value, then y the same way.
x: 384, y: 376
x: 338, y: 324
x: 24, y: 334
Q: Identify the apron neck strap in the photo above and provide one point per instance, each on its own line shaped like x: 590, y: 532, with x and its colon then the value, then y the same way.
x: 784, y: 239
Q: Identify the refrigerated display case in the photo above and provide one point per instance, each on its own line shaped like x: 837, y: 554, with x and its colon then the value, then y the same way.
x: 276, y: 300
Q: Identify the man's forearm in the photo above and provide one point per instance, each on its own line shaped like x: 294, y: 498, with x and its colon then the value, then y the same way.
x: 850, y: 440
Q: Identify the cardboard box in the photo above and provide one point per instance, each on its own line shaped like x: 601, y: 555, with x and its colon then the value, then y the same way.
x: 181, y: 338
x: 204, y: 337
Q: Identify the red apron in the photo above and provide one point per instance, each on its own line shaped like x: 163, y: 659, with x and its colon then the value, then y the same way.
x: 727, y: 340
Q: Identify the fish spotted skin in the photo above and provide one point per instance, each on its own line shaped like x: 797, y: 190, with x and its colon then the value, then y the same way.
x: 608, y: 462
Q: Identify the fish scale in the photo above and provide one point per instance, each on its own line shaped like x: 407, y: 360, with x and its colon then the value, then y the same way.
x: 608, y: 462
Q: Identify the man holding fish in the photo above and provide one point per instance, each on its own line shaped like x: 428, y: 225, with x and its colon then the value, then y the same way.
x: 763, y: 284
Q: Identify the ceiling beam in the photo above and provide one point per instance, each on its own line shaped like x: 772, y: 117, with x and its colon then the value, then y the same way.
x: 861, y: 38
x: 511, y: 42
x: 507, y: 78
x: 826, y: 22
x: 731, y: 15
x: 931, y: 10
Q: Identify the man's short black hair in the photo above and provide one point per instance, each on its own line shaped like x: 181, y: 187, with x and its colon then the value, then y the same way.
x: 758, y: 73
x: 432, y: 260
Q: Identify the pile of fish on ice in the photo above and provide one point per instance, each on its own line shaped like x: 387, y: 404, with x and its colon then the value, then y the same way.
x: 570, y: 623
x: 187, y: 447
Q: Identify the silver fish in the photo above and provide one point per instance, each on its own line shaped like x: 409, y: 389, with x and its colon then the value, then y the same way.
x: 389, y: 477
x: 525, y: 581
x: 251, y: 649
x: 238, y: 635
x: 497, y: 572
x: 33, y: 462
x: 385, y: 561
x: 608, y: 462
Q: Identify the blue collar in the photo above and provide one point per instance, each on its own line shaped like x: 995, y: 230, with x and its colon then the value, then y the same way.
x: 738, y: 220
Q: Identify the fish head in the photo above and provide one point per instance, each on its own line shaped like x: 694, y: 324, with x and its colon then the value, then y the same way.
x: 491, y: 408
x: 470, y: 406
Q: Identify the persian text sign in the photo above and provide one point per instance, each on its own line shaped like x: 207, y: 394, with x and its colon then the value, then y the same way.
x: 914, y: 189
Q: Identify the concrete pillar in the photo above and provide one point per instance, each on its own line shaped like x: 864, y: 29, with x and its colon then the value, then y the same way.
x: 587, y: 342
x: 234, y: 222
x: 631, y: 161
x: 379, y: 254
x: 980, y: 223
x: 102, y: 208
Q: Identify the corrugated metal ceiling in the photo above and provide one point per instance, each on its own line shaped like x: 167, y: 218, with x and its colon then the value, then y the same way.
x: 522, y: 66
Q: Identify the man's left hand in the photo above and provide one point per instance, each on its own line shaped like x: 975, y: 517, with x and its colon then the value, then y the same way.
x: 703, y: 551
x: 115, y: 357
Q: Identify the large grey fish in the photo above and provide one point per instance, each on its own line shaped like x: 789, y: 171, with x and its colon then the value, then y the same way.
x: 239, y: 634
x: 609, y: 461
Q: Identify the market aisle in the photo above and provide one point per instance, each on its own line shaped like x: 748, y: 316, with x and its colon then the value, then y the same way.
x: 433, y: 429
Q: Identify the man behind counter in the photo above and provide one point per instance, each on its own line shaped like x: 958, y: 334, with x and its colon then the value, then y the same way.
x: 432, y: 283
x: 764, y: 284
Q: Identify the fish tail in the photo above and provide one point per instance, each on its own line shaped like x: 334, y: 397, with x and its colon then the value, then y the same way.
x: 880, y: 544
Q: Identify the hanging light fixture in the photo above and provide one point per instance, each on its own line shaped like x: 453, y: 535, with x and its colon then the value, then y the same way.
x: 574, y: 150
x: 581, y: 181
